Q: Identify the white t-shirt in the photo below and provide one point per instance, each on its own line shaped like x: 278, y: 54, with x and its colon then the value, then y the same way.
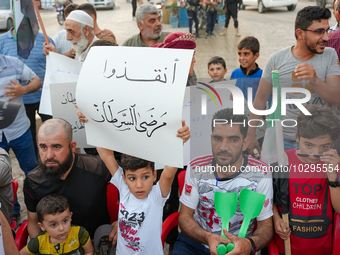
x: 139, y: 220
x: 325, y: 65
x: 199, y: 189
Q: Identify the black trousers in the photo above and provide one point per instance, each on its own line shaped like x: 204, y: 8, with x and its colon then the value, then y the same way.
x: 31, y: 110
x: 232, y: 12
x: 134, y: 7
x: 192, y: 16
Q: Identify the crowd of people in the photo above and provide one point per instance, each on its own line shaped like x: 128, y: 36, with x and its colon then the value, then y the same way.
x: 63, y: 186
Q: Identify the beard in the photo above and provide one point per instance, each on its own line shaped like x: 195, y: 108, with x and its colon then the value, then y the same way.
x: 312, y: 47
x: 232, y: 160
x: 55, y: 173
x: 81, y: 45
x: 154, y: 34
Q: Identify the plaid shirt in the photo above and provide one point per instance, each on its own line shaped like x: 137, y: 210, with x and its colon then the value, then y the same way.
x: 334, y: 41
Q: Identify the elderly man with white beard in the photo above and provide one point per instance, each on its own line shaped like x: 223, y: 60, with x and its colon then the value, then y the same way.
x: 79, y: 28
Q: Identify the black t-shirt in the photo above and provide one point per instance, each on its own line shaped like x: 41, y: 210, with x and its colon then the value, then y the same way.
x: 85, y: 187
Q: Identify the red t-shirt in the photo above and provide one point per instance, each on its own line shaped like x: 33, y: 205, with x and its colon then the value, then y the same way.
x: 310, y: 209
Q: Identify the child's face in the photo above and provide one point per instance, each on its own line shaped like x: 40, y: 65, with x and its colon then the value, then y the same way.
x: 317, y: 145
x: 247, y: 58
x: 140, y: 182
x: 217, y: 72
x: 57, y: 225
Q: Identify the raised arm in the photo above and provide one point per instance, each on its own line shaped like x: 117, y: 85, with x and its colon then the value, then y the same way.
x: 109, y: 159
x: 169, y: 172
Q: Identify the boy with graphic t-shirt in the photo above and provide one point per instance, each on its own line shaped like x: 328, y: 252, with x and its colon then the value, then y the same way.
x: 314, y: 188
x: 141, y: 202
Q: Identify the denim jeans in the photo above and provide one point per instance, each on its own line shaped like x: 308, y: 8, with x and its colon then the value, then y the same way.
x: 186, y: 246
x: 24, y: 151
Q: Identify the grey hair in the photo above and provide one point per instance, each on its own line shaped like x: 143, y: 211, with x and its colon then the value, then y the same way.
x: 145, y: 9
x: 82, y: 26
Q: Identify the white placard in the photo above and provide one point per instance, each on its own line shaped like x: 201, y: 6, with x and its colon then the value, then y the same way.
x: 133, y: 100
x: 59, y: 69
x: 63, y: 106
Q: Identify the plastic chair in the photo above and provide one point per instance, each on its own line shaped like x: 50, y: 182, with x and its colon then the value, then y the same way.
x: 15, y: 186
x: 112, y: 202
x: 274, y: 250
x: 112, y: 206
x: 172, y: 220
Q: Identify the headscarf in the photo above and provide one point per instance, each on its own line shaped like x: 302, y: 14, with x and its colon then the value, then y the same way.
x: 178, y: 40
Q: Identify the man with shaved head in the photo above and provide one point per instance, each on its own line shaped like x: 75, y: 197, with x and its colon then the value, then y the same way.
x: 82, y: 179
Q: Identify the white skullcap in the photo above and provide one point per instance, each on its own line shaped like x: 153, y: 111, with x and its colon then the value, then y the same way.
x: 81, y: 17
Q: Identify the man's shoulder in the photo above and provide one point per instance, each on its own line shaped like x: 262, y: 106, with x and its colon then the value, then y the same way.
x: 132, y: 40
x: 35, y: 177
x: 202, y: 161
x: 259, y: 165
x: 334, y: 35
x: 281, y: 52
x: 89, y: 163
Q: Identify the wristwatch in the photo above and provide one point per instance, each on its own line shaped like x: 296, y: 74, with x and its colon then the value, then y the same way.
x: 334, y: 184
x: 253, y: 246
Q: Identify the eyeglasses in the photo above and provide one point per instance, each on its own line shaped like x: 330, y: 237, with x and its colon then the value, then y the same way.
x: 319, y: 32
x: 305, y: 155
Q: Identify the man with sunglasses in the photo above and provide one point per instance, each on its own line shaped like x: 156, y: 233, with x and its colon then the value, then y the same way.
x: 314, y: 188
x: 309, y: 64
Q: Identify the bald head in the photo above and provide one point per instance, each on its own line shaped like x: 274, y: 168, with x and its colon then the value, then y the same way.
x: 52, y: 126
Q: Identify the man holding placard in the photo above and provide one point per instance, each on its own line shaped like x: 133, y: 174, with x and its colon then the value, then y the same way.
x: 227, y: 171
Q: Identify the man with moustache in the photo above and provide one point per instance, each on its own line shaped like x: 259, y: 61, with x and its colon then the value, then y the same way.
x: 82, y: 179
x: 79, y: 29
x: 309, y: 64
x: 227, y: 171
x: 150, y: 26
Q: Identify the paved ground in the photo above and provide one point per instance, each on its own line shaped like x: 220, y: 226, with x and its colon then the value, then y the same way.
x: 274, y: 29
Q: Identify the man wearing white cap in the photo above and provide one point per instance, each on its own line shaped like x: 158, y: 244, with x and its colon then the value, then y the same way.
x: 79, y: 28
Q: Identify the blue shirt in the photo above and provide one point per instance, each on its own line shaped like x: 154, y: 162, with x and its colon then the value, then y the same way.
x: 36, y: 60
x: 245, y: 81
x: 13, y: 68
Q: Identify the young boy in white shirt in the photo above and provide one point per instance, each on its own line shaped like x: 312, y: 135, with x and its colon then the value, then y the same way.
x: 141, y: 202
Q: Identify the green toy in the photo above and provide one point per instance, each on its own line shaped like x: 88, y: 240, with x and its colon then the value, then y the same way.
x: 225, y: 205
x: 251, y: 204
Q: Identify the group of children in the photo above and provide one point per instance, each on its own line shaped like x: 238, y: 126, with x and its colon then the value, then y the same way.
x: 248, y: 74
x: 141, y: 202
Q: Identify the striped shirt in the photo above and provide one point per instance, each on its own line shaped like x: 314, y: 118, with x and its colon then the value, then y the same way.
x: 36, y: 60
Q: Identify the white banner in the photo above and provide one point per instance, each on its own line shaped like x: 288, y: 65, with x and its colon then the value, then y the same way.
x: 63, y: 106
x: 59, y: 69
x: 133, y: 99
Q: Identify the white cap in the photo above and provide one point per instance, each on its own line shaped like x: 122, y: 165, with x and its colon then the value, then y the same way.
x: 81, y: 17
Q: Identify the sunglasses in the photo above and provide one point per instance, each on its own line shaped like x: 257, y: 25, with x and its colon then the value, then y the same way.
x: 305, y: 155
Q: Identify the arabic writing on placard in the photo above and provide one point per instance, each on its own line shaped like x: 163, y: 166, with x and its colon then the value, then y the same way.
x: 129, y: 118
x: 77, y: 126
x: 68, y: 98
x: 110, y: 72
